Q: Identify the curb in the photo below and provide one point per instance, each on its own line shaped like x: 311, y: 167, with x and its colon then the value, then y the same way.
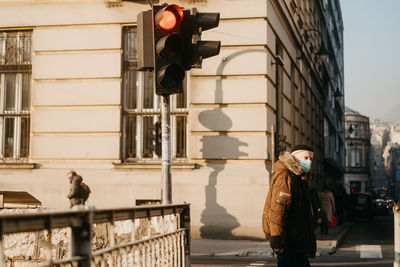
x: 339, y: 239
x: 245, y: 253
x: 334, y: 244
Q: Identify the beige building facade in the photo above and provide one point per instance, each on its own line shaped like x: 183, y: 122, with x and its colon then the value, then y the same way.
x: 72, y: 98
x: 358, y: 157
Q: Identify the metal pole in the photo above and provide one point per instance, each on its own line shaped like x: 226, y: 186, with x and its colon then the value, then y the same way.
x: 396, y: 212
x: 166, y: 188
x: 80, y: 240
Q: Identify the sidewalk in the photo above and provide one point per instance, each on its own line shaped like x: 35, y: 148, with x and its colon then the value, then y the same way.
x: 326, y: 244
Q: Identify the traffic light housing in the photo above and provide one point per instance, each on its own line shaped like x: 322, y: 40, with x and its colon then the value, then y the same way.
x: 145, y: 43
x: 195, y: 50
x: 169, y: 42
x: 168, y: 48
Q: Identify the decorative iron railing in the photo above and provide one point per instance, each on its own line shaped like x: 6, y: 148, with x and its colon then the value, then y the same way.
x: 164, y: 238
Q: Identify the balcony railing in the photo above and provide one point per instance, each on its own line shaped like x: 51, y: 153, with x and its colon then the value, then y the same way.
x: 167, y: 244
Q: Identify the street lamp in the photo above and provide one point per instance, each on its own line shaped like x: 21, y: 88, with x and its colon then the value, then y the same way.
x: 338, y: 94
x: 351, y: 129
x: 323, y: 51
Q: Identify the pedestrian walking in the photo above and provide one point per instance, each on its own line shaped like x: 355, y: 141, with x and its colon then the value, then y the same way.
x: 79, y: 191
x: 328, y: 205
x: 287, y: 216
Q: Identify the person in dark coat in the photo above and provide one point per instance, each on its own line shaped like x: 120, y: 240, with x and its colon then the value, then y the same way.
x: 74, y: 195
x: 287, y: 217
x: 340, y: 201
x: 318, y: 214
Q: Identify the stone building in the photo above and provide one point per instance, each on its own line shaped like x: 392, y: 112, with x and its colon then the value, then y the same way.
x: 72, y: 98
x: 379, y: 139
x: 391, y: 157
x: 358, y: 157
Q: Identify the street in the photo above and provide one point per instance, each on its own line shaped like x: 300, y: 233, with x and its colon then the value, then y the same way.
x: 366, y: 244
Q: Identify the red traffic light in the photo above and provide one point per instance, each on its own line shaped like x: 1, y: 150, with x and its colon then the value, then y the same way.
x: 169, y: 18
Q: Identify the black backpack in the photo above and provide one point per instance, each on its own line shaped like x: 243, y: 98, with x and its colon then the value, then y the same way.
x: 85, y: 191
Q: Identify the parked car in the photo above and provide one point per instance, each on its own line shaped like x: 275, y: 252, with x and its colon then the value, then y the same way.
x: 360, y: 206
x: 381, y: 207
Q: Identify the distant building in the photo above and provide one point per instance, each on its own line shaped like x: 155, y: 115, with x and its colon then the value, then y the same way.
x: 395, y: 134
x: 391, y: 157
x: 394, y: 168
x: 358, y: 157
x: 379, y: 139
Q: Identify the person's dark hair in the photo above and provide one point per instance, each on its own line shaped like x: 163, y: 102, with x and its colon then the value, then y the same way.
x: 302, y: 147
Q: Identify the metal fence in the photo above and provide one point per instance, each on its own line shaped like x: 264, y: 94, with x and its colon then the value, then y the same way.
x: 169, y: 246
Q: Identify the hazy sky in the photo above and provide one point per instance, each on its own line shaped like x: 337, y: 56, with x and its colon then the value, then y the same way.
x: 372, y: 55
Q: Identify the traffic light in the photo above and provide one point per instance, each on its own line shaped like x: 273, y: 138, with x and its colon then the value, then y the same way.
x: 168, y: 48
x: 169, y: 42
x: 195, y: 50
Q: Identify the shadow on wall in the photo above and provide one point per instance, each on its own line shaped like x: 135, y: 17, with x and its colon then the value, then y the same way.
x: 217, y: 222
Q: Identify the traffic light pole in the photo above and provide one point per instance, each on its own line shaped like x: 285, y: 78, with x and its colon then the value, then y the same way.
x: 169, y: 43
x: 166, y: 185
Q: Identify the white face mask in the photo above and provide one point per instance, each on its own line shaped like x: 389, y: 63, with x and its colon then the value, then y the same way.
x: 306, y: 164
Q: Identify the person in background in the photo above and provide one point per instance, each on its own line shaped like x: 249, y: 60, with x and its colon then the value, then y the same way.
x: 79, y: 192
x: 328, y: 205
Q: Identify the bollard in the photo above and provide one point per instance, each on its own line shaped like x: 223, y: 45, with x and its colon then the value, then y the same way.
x: 396, y: 212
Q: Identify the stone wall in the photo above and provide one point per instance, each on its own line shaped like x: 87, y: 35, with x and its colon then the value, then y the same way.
x: 31, y: 249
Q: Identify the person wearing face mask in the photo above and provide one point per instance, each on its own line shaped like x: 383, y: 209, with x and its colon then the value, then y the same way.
x: 287, y: 216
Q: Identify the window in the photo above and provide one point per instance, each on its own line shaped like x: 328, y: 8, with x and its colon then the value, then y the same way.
x: 361, y: 199
x: 15, y: 87
x: 324, y: 4
x: 141, y: 112
x: 355, y: 186
x: 355, y: 159
x: 327, y: 143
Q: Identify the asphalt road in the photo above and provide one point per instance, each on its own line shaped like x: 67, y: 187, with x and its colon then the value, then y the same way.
x: 366, y: 244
